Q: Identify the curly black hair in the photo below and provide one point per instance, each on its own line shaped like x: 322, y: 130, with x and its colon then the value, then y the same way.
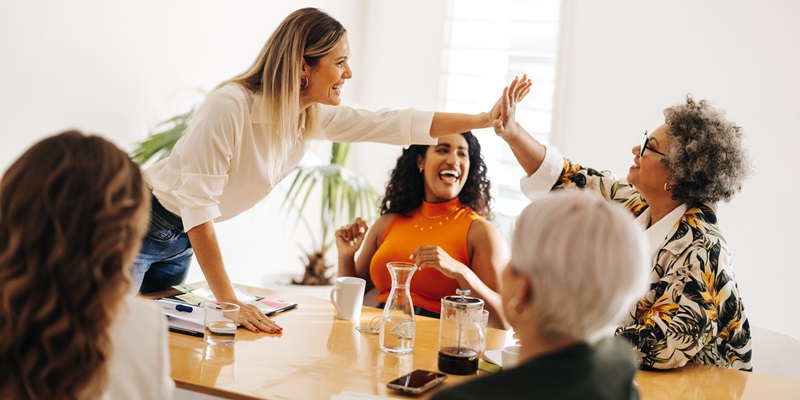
x: 406, y: 188
x: 706, y: 157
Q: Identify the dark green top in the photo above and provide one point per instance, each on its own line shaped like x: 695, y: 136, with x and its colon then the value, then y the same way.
x: 603, y: 371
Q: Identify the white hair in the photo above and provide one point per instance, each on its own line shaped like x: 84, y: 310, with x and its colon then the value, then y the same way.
x: 586, y: 259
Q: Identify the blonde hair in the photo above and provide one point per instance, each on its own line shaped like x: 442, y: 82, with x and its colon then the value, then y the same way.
x: 73, y: 209
x: 306, y: 34
x: 586, y: 260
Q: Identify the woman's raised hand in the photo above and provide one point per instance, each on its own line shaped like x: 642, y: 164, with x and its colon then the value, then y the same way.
x: 515, y: 92
x: 505, y: 122
x: 350, y: 237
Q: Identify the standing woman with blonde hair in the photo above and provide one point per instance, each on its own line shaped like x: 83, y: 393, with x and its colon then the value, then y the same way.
x: 249, y: 134
x: 73, y: 209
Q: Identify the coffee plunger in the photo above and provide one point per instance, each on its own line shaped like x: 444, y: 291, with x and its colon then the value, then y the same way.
x: 462, y: 333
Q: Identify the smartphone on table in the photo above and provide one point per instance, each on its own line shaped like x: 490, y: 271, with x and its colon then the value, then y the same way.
x: 417, y: 382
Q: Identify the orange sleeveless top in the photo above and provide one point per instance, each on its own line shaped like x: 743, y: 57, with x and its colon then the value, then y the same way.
x: 445, y: 225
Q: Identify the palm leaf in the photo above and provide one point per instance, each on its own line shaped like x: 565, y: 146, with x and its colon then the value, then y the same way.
x: 158, y: 145
x: 343, y: 193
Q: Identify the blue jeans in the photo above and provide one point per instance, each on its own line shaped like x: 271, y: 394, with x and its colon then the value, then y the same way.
x: 166, y: 253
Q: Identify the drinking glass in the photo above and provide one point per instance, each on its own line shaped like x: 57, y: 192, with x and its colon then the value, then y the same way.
x: 220, y: 323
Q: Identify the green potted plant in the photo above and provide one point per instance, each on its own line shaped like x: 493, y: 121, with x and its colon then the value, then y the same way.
x: 343, y: 192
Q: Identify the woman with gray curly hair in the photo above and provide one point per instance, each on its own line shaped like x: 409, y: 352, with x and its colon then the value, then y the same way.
x: 692, y: 311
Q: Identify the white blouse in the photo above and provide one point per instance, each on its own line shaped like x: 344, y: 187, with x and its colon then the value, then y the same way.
x: 139, y: 366
x: 539, y: 183
x: 218, y: 169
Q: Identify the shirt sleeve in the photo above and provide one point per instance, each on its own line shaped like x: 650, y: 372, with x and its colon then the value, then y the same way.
x: 401, y: 127
x: 559, y: 173
x: 541, y: 182
x: 205, y: 154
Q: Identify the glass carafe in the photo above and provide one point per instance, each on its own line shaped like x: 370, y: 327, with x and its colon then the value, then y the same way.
x: 462, y: 333
x: 398, y: 325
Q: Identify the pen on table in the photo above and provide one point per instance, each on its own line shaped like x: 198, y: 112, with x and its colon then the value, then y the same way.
x: 186, y: 331
x: 178, y: 306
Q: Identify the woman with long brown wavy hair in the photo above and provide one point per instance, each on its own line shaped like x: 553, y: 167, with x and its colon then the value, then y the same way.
x: 73, y: 209
x: 435, y: 213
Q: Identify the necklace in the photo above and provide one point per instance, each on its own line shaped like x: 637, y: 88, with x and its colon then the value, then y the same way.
x: 437, y: 221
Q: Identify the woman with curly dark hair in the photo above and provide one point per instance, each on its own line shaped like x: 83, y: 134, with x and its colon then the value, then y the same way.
x: 73, y: 209
x: 434, y: 213
x: 692, y: 311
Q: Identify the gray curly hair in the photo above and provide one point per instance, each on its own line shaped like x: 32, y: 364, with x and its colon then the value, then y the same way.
x: 706, y: 157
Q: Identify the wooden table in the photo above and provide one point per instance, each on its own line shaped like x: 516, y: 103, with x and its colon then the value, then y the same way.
x: 318, y: 356
x: 701, y: 382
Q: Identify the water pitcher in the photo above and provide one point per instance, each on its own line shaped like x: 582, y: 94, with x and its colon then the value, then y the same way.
x: 398, y: 325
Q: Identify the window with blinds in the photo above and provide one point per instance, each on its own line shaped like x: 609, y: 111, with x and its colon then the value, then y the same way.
x: 486, y: 45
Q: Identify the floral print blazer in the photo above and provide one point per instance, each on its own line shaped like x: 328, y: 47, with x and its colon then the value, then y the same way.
x: 692, y: 311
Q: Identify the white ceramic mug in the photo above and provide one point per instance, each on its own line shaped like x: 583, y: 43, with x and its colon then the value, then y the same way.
x: 347, y: 297
x: 510, y: 356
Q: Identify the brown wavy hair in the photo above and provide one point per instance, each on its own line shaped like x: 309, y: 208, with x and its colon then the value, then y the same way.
x: 406, y: 188
x: 73, y: 209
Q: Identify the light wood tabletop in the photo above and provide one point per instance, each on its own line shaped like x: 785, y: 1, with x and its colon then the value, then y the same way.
x: 318, y: 356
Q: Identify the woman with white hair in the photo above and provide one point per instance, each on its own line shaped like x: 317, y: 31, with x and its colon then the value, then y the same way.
x: 577, y: 263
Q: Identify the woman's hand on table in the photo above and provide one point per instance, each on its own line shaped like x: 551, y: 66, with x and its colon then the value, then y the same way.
x: 254, y: 320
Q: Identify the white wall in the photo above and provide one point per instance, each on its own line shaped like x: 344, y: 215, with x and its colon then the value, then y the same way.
x: 119, y: 68
x: 626, y: 60
x: 402, y: 54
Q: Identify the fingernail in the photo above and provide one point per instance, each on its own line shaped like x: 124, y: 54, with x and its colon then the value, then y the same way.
x: 257, y: 330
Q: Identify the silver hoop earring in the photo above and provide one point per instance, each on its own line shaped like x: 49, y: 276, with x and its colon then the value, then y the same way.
x: 303, y: 82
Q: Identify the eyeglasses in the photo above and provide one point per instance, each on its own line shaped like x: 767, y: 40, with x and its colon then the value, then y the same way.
x: 644, y: 146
